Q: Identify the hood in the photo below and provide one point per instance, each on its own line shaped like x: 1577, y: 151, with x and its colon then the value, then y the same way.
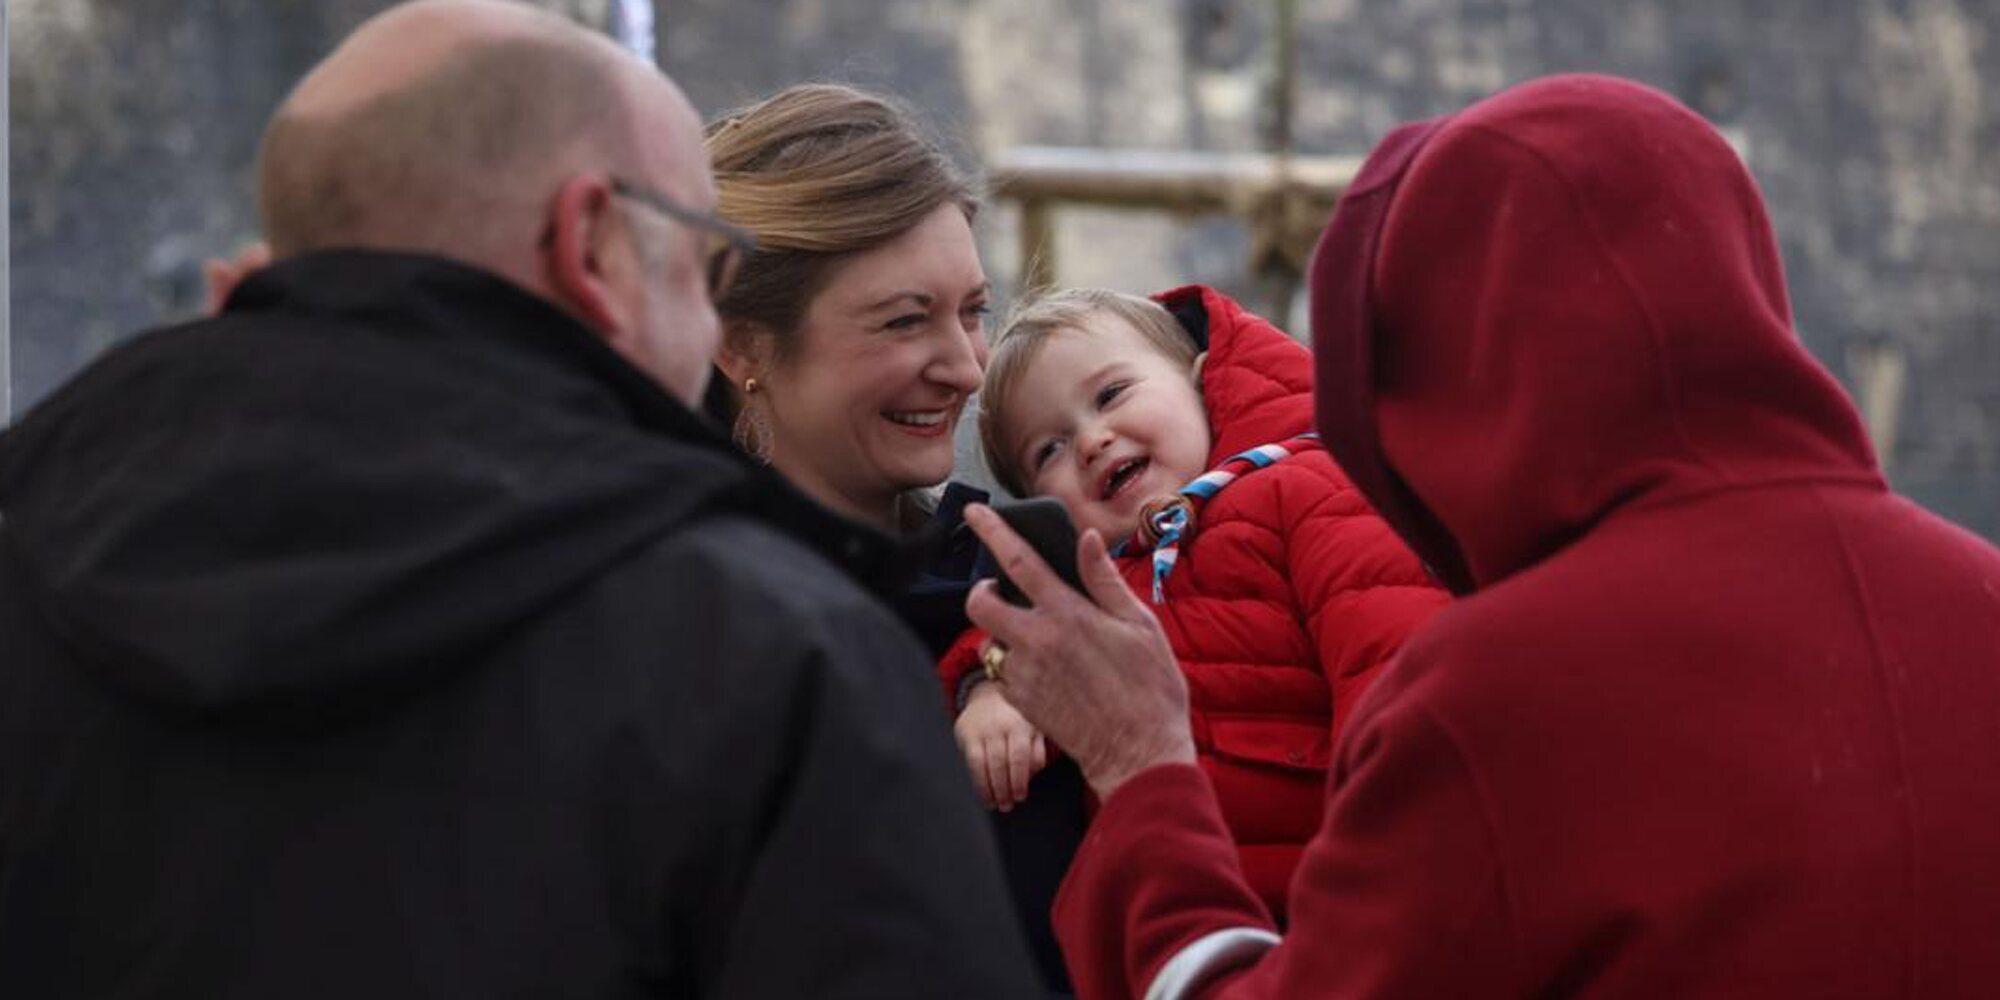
x: 361, y: 475
x: 1559, y: 304
x: 1257, y: 382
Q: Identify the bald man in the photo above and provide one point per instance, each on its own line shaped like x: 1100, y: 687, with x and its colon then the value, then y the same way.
x: 400, y: 632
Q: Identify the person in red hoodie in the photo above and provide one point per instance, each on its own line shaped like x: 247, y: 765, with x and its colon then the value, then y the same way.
x: 1281, y: 592
x: 1715, y: 712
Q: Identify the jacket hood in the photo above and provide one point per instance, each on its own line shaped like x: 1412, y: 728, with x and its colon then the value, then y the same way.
x: 1257, y: 382
x: 362, y: 474
x: 1560, y: 303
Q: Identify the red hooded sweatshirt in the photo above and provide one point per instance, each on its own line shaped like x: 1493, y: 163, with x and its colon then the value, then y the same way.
x: 1289, y: 595
x: 1717, y: 714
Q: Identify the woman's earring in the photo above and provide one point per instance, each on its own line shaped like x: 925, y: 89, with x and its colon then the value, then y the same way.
x: 752, y: 430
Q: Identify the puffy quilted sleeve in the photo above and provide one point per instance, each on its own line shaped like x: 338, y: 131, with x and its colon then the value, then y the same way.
x: 958, y: 664
x: 1360, y: 591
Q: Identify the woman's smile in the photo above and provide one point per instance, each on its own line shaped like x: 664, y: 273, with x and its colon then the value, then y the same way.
x: 923, y: 423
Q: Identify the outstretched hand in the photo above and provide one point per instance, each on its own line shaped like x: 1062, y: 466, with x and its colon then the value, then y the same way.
x: 222, y: 276
x: 1097, y: 679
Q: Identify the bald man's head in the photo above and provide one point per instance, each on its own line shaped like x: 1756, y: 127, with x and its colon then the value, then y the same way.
x: 441, y: 125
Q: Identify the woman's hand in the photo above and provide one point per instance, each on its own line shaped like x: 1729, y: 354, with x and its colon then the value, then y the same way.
x: 1000, y: 747
x: 222, y: 276
x: 1099, y: 678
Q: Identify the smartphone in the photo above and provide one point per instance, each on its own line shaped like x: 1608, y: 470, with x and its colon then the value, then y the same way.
x: 1045, y: 524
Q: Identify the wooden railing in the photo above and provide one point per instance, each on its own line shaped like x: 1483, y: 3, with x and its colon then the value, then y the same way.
x: 1284, y: 201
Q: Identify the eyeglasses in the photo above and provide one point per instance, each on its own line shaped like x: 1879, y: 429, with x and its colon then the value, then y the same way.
x: 725, y: 247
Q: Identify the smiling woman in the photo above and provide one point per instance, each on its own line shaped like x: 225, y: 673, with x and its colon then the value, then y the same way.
x: 852, y: 338
x: 855, y: 334
x: 858, y: 401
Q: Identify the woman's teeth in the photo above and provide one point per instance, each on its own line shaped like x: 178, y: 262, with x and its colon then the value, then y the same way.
x: 917, y: 419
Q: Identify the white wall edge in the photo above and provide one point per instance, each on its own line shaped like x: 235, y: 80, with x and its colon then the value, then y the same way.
x: 6, y: 237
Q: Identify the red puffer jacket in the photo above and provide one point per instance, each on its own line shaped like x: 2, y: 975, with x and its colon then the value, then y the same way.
x: 1288, y: 597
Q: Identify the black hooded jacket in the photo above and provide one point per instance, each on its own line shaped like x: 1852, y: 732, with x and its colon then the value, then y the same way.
x: 390, y: 636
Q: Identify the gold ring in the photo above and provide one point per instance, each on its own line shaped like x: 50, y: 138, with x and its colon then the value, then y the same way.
x: 993, y: 657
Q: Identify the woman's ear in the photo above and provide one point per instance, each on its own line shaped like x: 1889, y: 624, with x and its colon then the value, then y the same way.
x: 744, y: 359
x: 745, y: 352
x: 573, y: 253
x: 1194, y: 369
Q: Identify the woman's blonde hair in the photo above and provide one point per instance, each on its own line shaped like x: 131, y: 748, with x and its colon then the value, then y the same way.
x: 1027, y: 331
x: 817, y: 173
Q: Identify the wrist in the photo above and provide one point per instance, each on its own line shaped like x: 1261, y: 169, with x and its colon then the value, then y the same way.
x: 1111, y: 774
x: 966, y: 685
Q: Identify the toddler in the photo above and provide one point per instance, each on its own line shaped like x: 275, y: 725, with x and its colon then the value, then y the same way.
x: 1179, y: 428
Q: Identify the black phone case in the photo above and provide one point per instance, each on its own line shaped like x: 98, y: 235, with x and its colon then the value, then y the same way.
x: 1046, y: 526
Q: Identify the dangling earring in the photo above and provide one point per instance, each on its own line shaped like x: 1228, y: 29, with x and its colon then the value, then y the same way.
x: 752, y: 430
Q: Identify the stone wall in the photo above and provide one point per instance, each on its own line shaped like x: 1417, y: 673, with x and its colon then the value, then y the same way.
x: 1872, y: 125
x: 134, y: 131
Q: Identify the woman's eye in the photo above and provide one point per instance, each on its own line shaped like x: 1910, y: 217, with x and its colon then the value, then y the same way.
x: 907, y: 321
x: 974, y: 317
x: 1111, y: 392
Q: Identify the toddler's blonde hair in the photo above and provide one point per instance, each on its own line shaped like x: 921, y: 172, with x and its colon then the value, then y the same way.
x: 1027, y: 331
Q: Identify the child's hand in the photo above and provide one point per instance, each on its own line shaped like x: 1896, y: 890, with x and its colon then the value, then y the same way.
x: 1000, y: 747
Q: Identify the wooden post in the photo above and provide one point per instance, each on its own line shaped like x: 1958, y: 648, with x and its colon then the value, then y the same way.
x: 1281, y: 88
x: 1275, y: 270
x: 1038, y: 245
x: 1880, y: 370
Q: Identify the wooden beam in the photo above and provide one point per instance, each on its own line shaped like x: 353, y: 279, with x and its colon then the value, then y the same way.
x: 1195, y: 183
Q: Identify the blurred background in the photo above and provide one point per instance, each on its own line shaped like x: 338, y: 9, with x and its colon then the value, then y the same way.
x: 1131, y: 130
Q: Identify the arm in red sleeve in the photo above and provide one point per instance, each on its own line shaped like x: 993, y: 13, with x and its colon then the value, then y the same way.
x: 1401, y: 894
x: 1156, y: 873
x: 958, y: 665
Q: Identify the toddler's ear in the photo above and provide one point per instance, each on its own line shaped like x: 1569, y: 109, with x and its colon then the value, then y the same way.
x: 1194, y: 370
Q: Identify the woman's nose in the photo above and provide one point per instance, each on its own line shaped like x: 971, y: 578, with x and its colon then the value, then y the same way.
x: 959, y: 361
